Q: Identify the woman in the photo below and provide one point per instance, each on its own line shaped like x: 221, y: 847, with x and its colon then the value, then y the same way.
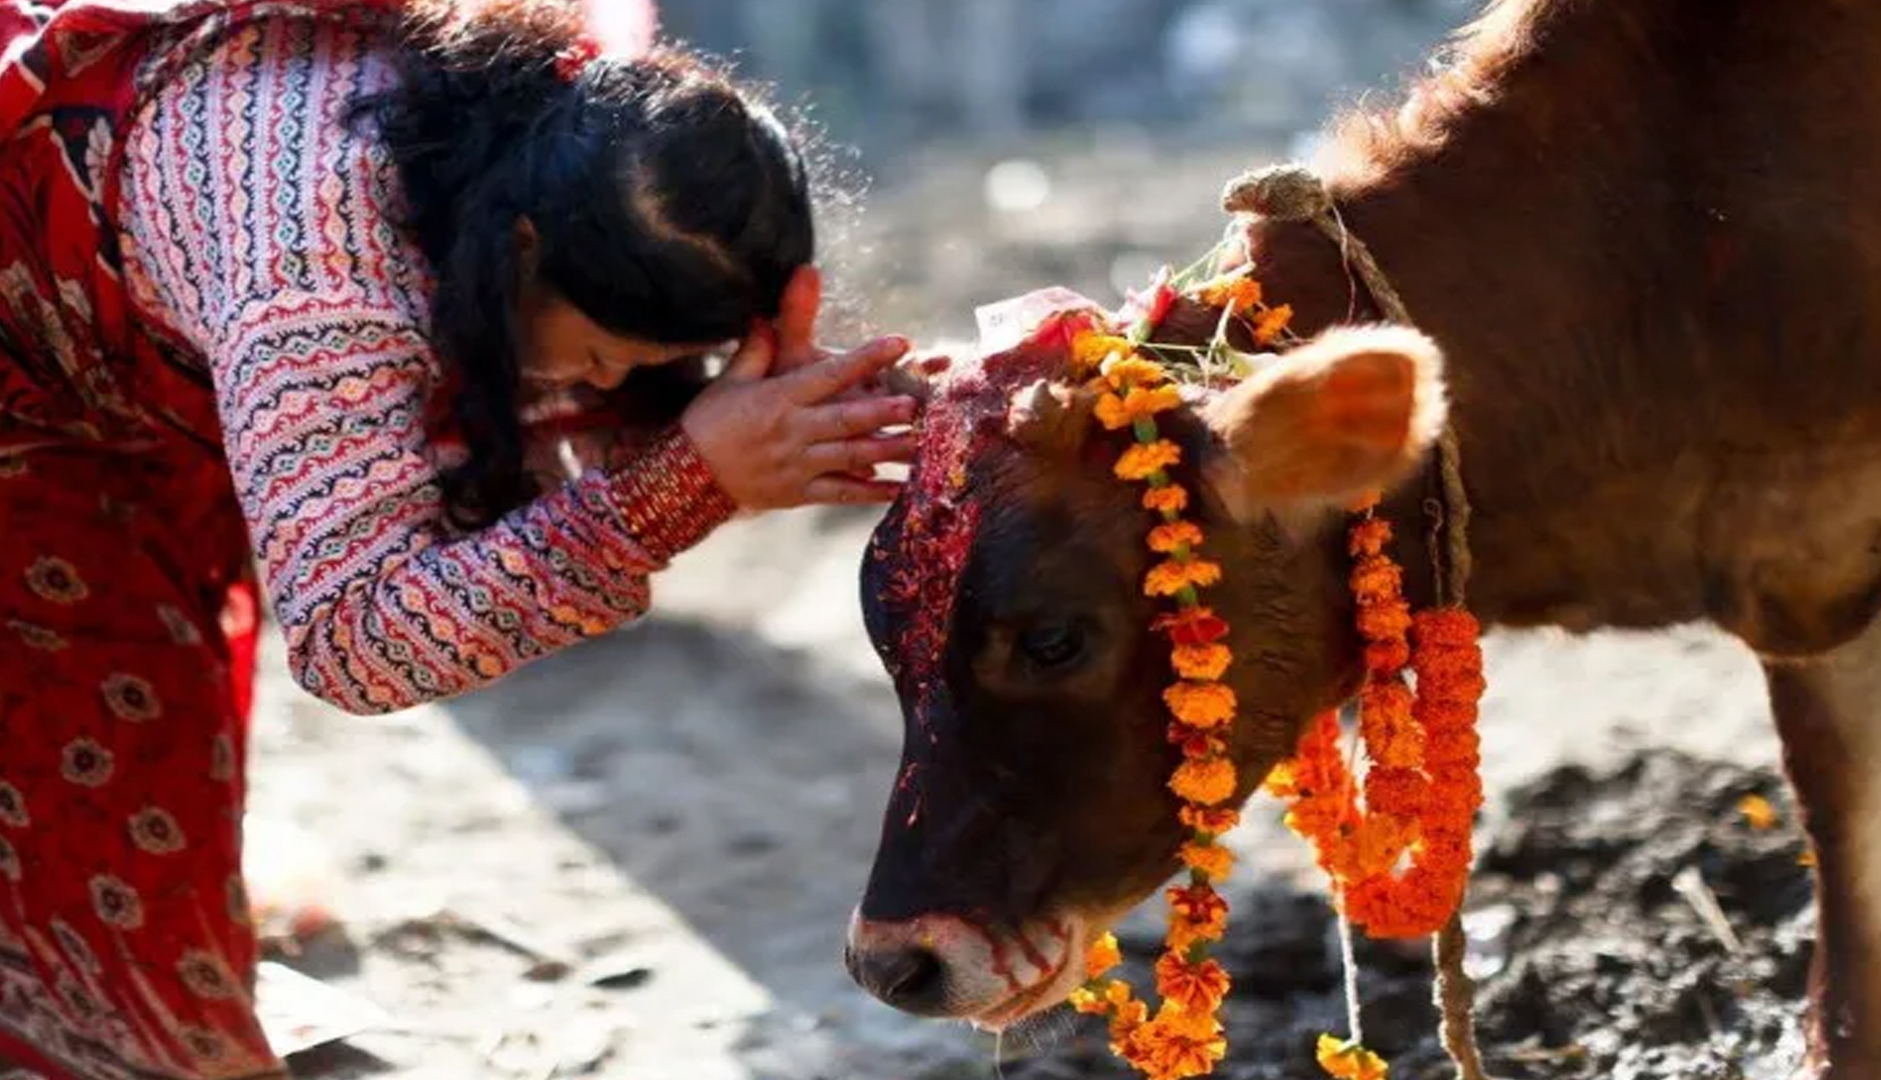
x: 287, y: 278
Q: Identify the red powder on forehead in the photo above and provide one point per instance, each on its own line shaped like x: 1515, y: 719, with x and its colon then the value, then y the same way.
x: 927, y: 540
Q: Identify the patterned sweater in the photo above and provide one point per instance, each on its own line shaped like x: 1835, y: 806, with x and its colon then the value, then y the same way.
x: 259, y: 231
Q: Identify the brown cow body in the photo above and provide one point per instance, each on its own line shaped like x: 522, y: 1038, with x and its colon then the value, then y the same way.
x: 1647, y: 237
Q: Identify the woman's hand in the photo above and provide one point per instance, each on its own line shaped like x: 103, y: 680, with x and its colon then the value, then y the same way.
x: 800, y: 437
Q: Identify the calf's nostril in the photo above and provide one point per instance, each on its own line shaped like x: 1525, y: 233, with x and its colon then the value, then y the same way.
x: 911, y: 979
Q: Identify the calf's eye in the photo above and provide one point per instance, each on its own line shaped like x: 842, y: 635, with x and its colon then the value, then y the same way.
x: 1048, y: 646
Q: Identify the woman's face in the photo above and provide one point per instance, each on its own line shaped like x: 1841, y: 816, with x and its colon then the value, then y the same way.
x: 563, y: 348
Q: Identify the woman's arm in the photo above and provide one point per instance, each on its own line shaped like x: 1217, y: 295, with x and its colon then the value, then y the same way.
x: 268, y: 244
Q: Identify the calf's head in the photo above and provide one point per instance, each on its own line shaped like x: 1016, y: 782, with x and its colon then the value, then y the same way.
x: 1002, y: 592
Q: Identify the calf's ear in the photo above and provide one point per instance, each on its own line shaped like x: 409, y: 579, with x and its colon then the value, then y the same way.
x: 1346, y: 415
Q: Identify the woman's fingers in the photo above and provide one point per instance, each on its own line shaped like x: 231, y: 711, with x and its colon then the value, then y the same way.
x: 859, y: 456
x: 851, y: 417
x: 827, y: 378
x: 835, y: 489
x: 796, y: 320
x: 755, y: 356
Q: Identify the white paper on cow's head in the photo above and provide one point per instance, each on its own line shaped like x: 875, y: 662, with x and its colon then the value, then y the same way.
x: 1006, y: 324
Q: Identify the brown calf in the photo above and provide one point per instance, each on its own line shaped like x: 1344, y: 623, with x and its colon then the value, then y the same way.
x: 1647, y: 236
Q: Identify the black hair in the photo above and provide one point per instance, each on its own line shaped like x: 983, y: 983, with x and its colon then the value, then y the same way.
x: 669, y: 204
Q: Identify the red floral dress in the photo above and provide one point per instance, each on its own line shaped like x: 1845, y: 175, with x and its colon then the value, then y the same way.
x: 212, y: 357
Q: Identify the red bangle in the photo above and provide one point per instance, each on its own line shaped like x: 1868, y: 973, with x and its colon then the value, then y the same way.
x: 668, y: 496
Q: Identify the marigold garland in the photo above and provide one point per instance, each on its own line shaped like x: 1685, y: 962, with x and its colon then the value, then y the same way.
x: 1184, y: 1038
x: 1421, y: 791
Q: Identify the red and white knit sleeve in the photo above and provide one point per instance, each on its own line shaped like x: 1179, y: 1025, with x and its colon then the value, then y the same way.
x: 257, y: 226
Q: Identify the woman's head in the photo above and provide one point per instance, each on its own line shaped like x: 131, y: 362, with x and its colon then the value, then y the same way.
x: 580, y: 224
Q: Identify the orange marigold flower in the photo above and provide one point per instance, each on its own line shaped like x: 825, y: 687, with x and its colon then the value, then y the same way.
x: 1166, y: 579
x: 1391, y: 737
x: 1448, y: 626
x: 1237, y: 291
x: 1451, y: 747
x: 1183, y: 935
x: 1396, y: 791
x: 1201, y: 704
x: 1086, y: 1001
x: 1171, y: 576
x: 1384, y: 621
x: 1212, y: 861
x: 1127, y: 371
x: 1125, y: 1021
x: 1344, y: 1060
x: 1270, y: 324
x: 1461, y: 681
x: 1090, y: 349
x: 1144, y: 460
x: 1198, y: 988
x: 1377, y: 579
x: 1204, y: 662
x: 1140, y: 403
x: 1381, y: 840
x: 1213, y: 820
x: 1204, y: 782
x: 1369, y: 537
x: 1177, y: 1045
x: 1168, y: 499
x: 1102, y: 956
x: 1174, y: 536
x: 1387, y: 657
x: 1196, y: 914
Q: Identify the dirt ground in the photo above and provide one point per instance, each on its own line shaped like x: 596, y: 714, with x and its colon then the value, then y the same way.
x: 636, y: 859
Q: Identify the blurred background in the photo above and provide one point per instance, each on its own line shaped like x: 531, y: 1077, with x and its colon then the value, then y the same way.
x: 637, y: 859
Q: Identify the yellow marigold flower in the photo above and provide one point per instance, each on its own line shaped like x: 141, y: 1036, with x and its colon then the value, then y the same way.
x: 1090, y: 349
x: 1145, y: 460
x: 1168, y: 499
x: 1127, y: 371
x: 1116, y: 412
x: 1349, y: 1061
x: 1087, y: 1002
x: 1204, y: 782
x: 1205, y: 663
x: 1170, y: 537
x: 1201, y: 705
x: 1171, y: 577
x: 1210, y: 860
x: 1102, y: 956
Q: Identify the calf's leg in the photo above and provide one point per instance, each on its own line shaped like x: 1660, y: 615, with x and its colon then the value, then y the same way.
x: 1828, y: 711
